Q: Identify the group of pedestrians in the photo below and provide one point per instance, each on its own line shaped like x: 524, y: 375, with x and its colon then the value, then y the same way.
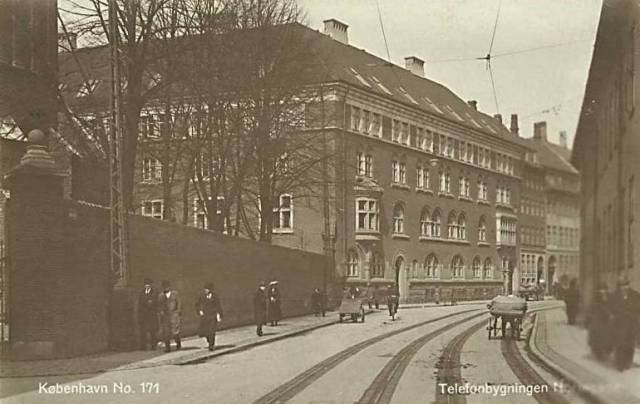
x: 613, y: 323
x: 159, y: 310
x: 267, y: 305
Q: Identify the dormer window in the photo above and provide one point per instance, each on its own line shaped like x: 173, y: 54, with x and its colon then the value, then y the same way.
x: 431, y: 104
x: 407, y: 95
x: 359, y: 77
x: 379, y: 84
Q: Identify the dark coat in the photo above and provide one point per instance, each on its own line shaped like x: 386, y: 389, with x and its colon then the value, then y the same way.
x: 316, y: 301
x: 210, y: 306
x: 599, y: 320
x: 148, y: 309
x: 275, y: 309
x: 260, y: 306
x: 626, y: 317
x: 170, y: 311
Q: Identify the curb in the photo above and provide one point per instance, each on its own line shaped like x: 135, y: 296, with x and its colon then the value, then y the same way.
x: 584, y: 391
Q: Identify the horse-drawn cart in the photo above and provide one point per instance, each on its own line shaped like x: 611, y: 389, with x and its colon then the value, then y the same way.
x: 510, y: 310
x: 352, y: 307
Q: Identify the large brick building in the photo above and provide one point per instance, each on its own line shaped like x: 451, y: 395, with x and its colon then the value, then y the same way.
x: 605, y: 150
x: 426, y: 190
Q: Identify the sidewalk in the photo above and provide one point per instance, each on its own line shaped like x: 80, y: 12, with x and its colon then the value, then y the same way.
x: 564, y: 349
x: 193, y: 350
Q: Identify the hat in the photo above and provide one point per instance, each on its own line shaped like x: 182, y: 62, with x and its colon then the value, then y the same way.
x: 166, y: 283
x: 148, y: 281
x: 262, y: 283
x: 208, y: 285
x: 273, y: 283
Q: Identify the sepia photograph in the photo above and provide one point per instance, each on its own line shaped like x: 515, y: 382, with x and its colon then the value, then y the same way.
x: 319, y: 201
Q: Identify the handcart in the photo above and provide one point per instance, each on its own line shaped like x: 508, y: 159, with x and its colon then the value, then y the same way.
x: 509, y: 310
x: 352, y: 307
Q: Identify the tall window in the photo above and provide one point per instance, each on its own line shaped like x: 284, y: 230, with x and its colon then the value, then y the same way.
x: 151, y: 170
x: 398, y: 219
x: 482, y: 230
x: 396, y: 131
x: 425, y: 223
x: 435, y: 224
x: 457, y: 267
x: 483, y: 190
x: 283, y: 214
x: 355, y: 118
x: 154, y: 209
x: 463, y: 185
x: 365, y: 164
x: 403, y: 173
x: 366, y: 121
x: 487, y: 269
x: 367, y: 214
x: 353, y: 265
x: 431, y: 266
x: 462, y: 227
x: 452, y: 226
x: 445, y: 182
x: 422, y: 177
x: 376, y: 125
x: 477, y: 270
x: 429, y: 140
x: 377, y: 265
x: 415, y: 269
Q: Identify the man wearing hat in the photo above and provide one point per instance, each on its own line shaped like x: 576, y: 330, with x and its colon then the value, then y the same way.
x: 275, y: 309
x: 260, y: 307
x: 170, y: 311
x: 209, y: 310
x: 148, y: 315
x: 625, y: 307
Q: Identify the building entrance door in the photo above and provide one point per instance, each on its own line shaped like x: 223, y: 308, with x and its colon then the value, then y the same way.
x: 401, y: 278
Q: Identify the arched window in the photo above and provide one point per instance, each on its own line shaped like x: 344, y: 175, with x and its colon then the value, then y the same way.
x: 435, y: 224
x: 431, y: 266
x: 353, y: 264
x: 377, y: 266
x: 487, y: 269
x: 398, y: 219
x: 462, y: 227
x: 425, y: 223
x: 482, y: 229
x: 477, y: 270
x: 452, y: 226
x: 457, y: 267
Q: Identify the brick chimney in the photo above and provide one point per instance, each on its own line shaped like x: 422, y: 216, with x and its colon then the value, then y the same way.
x: 540, y: 131
x: 414, y: 65
x: 563, y: 139
x: 514, y: 124
x: 336, y: 30
x: 498, y: 117
x: 473, y: 104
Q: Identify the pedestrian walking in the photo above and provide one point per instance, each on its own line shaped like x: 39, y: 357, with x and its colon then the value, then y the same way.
x: 275, y: 309
x: 209, y: 309
x: 599, y: 320
x: 148, y: 315
x: 571, y: 297
x: 170, y: 313
x: 393, y: 301
x: 625, y: 307
x: 260, y: 307
x: 436, y: 295
x: 316, y: 302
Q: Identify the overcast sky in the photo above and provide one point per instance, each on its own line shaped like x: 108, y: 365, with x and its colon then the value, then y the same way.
x: 527, y: 83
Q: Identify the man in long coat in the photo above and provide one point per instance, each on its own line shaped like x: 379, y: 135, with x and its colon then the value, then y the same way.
x: 260, y: 307
x: 275, y: 307
x: 625, y: 307
x: 209, y: 309
x: 148, y: 315
x: 599, y: 323
x: 170, y: 312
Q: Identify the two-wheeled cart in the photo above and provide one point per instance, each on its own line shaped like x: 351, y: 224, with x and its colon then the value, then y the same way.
x: 509, y: 311
x: 351, y: 307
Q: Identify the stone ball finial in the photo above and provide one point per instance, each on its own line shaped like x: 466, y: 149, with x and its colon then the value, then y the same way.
x: 36, y: 136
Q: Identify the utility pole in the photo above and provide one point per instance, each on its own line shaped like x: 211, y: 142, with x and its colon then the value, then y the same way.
x: 118, y: 227
x: 327, y: 237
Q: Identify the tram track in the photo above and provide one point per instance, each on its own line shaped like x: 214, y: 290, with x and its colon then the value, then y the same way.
x: 290, y: 389
x: 384, y: 385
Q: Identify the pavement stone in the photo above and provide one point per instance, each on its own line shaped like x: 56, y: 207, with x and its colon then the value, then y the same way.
x: 565, y: 351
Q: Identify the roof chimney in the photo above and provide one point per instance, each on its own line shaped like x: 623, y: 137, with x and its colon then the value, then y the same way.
x: 498, y: 117
x: 414, y: 65
x: 514, y: 124
x: 563, y: 138
x: 336, y: 30
x: 473, y: 104
x: 540, y: 131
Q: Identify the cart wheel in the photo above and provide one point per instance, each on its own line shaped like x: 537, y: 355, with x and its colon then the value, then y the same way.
x: 354, y: 318
x: 489, y: 329
x: 517, y: 329
x: 340, y: 320
x: 362, y: 314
